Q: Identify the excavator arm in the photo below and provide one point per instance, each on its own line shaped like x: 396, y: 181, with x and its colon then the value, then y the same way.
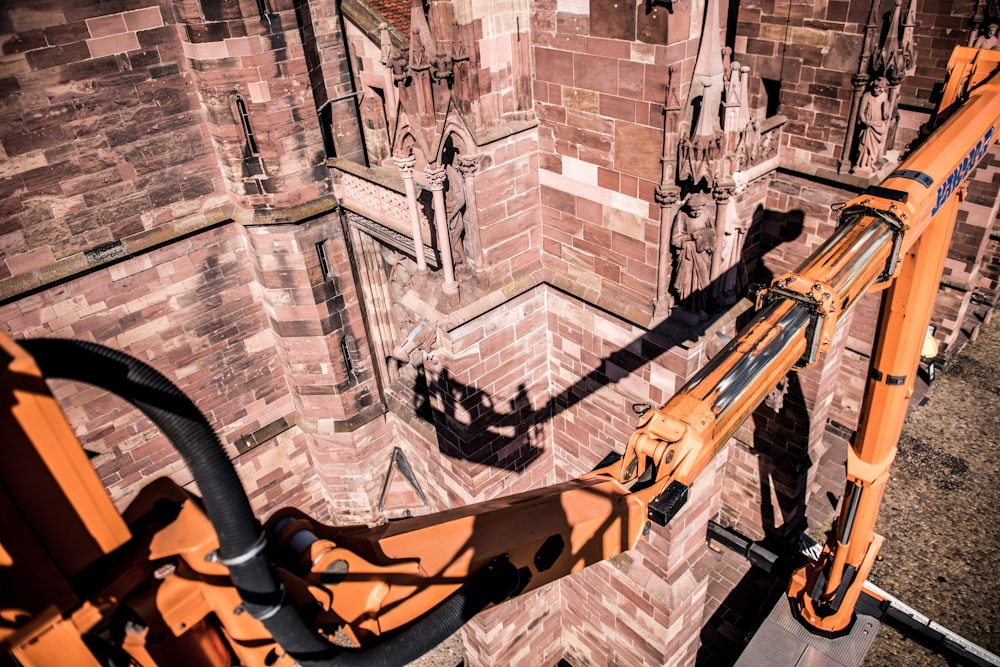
x: 199, y: 580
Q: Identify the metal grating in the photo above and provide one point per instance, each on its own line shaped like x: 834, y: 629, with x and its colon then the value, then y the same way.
x: 783, y: 640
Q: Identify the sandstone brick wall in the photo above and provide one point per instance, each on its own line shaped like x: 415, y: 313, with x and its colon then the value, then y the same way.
x: 502, y: 41
x: 943, y: 26
x: 809, y: 51
x: 990, y: 281
x: 525, y: 630
x: 507, y: 195
x: 600, y: 367
x: 100, y: 133
x: 599, y: 86
x: 646, y: 606
x: 190, y: 311
x: 258, y: 79
x: 538, y: 391
x: 490, y: 402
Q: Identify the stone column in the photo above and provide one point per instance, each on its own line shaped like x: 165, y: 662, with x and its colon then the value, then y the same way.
x: 405, y: 165
x: 722, y: 192
x: 668, y: 197
x: 435, y: 180
x: 469, y: 166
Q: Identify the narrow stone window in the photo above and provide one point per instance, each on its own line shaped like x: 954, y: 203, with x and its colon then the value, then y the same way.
x: 250, y: 144
x: 345, y: 350
x: 324, y: 263
x: 253, y: 167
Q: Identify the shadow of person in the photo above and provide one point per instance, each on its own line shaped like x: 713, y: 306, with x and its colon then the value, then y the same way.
x: 472, y: 426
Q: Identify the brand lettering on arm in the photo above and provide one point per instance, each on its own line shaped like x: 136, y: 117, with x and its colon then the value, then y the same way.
x: 964, y: 168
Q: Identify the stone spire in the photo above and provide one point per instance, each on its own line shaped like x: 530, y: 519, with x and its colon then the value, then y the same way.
x: 709, y: 79
x: 891, y: 55
x: 700, y: 147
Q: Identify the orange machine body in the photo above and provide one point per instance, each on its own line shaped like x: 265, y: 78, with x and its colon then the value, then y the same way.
x: 924, y: 194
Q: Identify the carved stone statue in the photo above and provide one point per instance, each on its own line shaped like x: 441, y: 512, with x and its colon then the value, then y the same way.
x: 776, y: 398
x: 749, y: 144
x: 400, y: 66
x: 458, y: 46
x: 989, y: 39
x: 873, y: 121
x: 694, y: 240
x: 400, y: 282
x: 385, y: 43
x: 418, y: 56
x: 732, y: 280
x: 454, y: 203
x: 417, y: 334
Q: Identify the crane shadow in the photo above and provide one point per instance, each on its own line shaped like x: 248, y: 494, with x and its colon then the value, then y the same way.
x: 505, y: 431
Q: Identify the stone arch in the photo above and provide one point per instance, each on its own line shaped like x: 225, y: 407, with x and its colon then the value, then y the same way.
x: 456, y: 131
x: 404, y: 143
x: 457, y: 155
x: 408, y: 143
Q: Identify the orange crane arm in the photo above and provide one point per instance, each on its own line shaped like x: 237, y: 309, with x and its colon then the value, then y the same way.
x: 929, y: 185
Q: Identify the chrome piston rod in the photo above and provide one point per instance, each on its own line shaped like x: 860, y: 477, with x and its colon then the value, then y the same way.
x: 735, y: 381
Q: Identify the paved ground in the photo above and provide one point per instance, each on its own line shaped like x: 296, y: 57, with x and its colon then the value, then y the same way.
x: 939, y: 514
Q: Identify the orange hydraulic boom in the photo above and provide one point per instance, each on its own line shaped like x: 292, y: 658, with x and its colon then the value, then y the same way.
x: 165, y: 586
x: 924, y: 194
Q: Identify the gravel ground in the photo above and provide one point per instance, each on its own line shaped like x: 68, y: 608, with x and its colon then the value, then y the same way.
x: 449, y: 653
x: 939, y: 513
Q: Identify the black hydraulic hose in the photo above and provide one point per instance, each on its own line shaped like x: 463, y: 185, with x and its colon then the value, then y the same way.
x: 241, y: 538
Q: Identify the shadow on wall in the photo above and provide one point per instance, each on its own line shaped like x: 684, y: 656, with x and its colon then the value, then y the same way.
x: 474, y: 426
x: 504, y: 433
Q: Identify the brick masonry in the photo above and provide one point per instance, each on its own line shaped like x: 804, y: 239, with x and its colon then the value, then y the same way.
x: 599, y: 104
x: 190, y: 310
x: 100, y: 131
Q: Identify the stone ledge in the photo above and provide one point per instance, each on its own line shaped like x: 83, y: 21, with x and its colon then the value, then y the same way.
x: 284, y: 216
x: 107, y: 254
x: 383, y: 176
x: 357, y: 421
x: 968, y: 284
x: 367, y: 19
x: 811, y: 172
